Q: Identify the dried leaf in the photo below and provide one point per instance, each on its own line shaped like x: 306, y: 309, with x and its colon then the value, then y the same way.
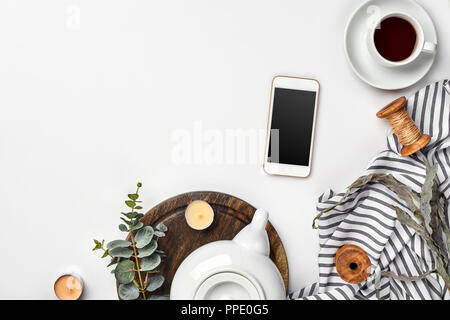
x: 441, y: 212
x: 435, y: 224
x: 403, y: 277
x: 442, y: 271
x: 425, y: 196
x: 404, y: 192
x: 357, y: 184
x: 406, y: 219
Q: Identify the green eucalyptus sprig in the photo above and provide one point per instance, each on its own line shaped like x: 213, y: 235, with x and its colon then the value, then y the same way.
x: 428, y: 218
x: 136, y: 258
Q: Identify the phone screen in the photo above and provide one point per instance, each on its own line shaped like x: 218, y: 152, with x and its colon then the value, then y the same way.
x: 292, y: 126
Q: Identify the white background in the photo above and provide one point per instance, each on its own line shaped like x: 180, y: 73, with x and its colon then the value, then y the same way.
x: 89, y: 109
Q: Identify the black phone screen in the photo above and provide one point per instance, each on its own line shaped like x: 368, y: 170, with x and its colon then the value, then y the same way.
x: 292, y: 126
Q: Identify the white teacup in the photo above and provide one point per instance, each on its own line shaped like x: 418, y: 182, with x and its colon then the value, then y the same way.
x: 421, y: 46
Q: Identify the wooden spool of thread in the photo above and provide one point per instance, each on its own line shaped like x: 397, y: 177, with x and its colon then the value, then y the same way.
x: 403, y: 126
x: 352, y: 264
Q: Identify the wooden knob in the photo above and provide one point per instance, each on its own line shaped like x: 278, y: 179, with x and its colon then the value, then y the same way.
x: 394, y: 106
x: 352, y: 264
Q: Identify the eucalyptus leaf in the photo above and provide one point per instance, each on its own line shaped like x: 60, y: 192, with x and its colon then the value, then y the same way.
x: 133, y: 196
x: 118, y: 244
x: 144, y: 236
x: 121, y: 252
x: 129, y: 215
x: 130, y: 203
x: 137, y: 225
x: 125, y: 220
x: 124, y: 271
x: 123, y: 228
x: 158, y: 297
x: 153, y: 271
x: 155, y: 283
x: 105, y: 254
x: 128, y: 291
x: 162, y: 227
x: 160, y: 234
x: 151, y: 262
x: 148, y: 249
x: 114, y: 260
x: 98, y: 245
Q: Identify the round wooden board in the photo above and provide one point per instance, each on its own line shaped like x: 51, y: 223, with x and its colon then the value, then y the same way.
x: 230, y: 216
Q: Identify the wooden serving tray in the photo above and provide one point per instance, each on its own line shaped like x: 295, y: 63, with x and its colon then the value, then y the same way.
x: 230, y: 216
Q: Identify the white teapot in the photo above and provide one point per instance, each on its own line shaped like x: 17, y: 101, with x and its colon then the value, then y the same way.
x: 238, y: 269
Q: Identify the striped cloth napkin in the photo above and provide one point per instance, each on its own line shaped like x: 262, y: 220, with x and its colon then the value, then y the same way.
x: 366, y: 218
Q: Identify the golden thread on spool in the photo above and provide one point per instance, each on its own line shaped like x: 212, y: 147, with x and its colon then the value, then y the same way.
x: 403, y: 126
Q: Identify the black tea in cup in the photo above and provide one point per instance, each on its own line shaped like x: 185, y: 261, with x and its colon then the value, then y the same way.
x: 395, y: 39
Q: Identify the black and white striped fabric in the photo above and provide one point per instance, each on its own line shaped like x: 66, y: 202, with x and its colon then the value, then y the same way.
x: 368, y: 220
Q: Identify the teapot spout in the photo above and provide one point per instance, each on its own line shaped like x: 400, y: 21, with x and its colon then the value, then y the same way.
x: 254, y: 236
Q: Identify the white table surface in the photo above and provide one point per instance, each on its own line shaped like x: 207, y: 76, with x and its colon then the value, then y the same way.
x: 89, y: 107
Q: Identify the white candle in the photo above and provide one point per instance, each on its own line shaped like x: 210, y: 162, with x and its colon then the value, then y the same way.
x: 199, y: 215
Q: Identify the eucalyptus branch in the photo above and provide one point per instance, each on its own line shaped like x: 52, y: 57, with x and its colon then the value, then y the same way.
x: 136, y: 259
x: 135, y: 255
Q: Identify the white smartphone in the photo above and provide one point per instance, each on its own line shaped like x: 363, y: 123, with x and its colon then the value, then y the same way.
x: 290, y: 127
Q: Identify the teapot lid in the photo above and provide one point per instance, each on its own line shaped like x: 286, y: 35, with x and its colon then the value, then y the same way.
x: 229, y: 286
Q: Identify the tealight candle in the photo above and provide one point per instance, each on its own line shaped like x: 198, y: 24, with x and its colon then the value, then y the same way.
x: 68, y: 287
x: 199, y: 215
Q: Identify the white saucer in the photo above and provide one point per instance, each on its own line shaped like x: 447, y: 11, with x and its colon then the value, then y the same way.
x: 362, y: 62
